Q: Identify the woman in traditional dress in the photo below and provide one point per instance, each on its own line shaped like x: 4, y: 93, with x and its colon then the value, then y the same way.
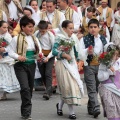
x: 116, y: 29
x: 109, y: 88
x: 36, y: 14
x: 67, y: 48
x: 8, y: 80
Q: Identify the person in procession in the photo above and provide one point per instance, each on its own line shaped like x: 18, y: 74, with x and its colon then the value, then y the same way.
x: 92, y: 44
x: 24, y: 48
x: 108, y: 75
x: 67, y: 50
x: 8, y: 80
x: 46, y: 39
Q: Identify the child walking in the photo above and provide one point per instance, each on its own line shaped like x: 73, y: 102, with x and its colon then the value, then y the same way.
x: 109, y: 77
x: 24, y: 48
x: 46, y: 39
x: 8, y: 80
x: 68, y: 78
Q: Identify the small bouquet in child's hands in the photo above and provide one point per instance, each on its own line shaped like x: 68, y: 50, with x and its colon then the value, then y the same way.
x: 40, y: 58
x: 66, y: 46
x: 3, y: 43
x: 106, y: 58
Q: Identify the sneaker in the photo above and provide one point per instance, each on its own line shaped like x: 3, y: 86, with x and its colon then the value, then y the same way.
x: 26, y: 118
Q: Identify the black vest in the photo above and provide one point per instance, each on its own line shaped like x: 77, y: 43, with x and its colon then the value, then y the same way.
x: 89, y: 40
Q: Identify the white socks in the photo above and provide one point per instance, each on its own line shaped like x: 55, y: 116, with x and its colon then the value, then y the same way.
x: 61, y: 103
x: 71, y: 111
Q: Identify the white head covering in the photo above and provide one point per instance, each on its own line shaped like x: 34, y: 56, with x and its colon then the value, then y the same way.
x: 33, y: 11
x: 107, y: 45
x: 35, y: 16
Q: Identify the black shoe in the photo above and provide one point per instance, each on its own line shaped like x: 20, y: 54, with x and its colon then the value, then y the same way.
x: 59, y: 112
x: 46, y: 96
x: 90, y: 113
x: 26, y: 117
x: 96, y: 113
x: 73, y: 116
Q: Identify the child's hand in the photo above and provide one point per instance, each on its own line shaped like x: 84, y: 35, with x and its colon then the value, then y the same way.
x: 112, y: 69
x: 0, y: 57
x: 66, y: 56
x: 21, y: 58
x: 46, y: 60
x: 90, y: 50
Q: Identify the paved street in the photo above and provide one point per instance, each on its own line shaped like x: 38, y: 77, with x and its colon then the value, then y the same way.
x: 42, y: 110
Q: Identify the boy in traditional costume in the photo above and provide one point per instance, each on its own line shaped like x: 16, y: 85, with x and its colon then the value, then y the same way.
x: 93, y: 45
x: 46, y: 39
x: 89, y: 15
x: 24, y: 48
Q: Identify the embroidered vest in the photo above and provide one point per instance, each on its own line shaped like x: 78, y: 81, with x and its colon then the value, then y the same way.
x: 108, y: 15
x: 1, y: 15
x: 85, y: 25
x: 89, y: 40
x: 22, y: 45
x: 56, y: 19
x: 69, y: 14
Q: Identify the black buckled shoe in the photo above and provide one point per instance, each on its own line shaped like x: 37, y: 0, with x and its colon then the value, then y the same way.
x: 46, y: 96
x: 73, y: 116
x: 96, y: 113
x: 59, y: 112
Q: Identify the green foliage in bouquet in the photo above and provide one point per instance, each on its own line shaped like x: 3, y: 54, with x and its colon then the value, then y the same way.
x: 106, y: 57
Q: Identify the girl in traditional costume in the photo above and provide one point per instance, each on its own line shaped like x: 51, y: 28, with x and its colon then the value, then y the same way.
x: 109, y: 77
x: 67, y: 48
x: 8, y: 80
x: 116, y: 28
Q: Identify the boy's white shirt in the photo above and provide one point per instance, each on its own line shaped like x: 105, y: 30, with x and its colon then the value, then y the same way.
x: 47, y: 41
x: 12, y: 48
x: 98, y: 48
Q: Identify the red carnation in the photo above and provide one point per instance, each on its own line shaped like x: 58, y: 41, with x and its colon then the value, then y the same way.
x: 41, y: 55
x: 3, y: 44
x: 90, y: 47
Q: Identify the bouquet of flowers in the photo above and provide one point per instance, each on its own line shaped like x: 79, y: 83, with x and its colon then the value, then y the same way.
x: 106, y: 57
x: 3, y: 43
x: 66, y: 46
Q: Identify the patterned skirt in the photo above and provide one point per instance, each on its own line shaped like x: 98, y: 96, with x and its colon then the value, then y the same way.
x: 8, y: 80
x: 110, y: 102
x: 68, y: 87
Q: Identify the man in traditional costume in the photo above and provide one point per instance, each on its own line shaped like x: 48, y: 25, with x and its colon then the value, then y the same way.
x: 12, y: 8
x: 52, y: 15
x: 108, y: 14
x: 69, y: 13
